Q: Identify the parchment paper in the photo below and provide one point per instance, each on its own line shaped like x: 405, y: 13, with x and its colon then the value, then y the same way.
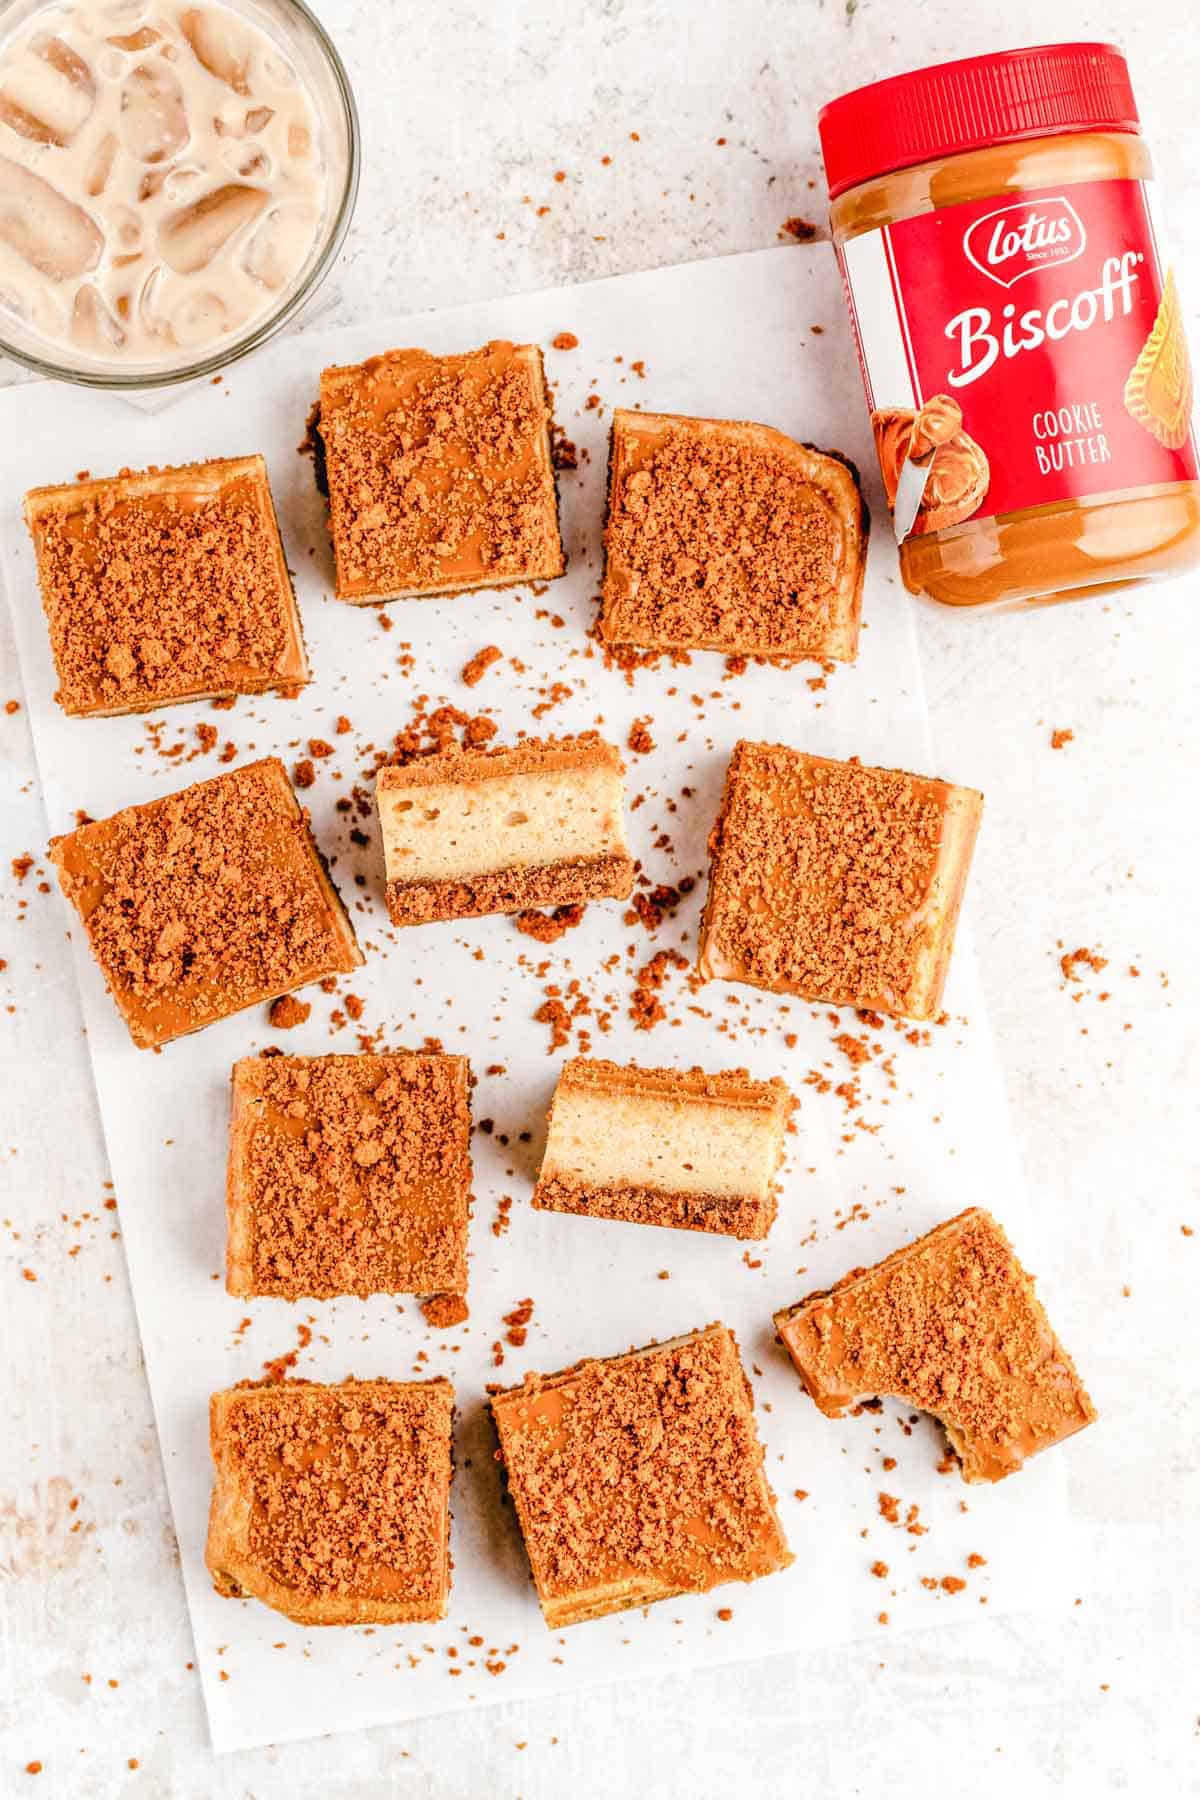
x: 924, y: 1134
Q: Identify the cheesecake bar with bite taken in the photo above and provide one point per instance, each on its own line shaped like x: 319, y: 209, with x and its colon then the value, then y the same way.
x: 950, y: 1324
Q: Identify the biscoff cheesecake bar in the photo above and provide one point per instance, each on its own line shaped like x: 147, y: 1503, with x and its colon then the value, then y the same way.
x: 730, y: 536
x: 331, y: 1504
x: 165, y: 585
x: 950, y: 1324
x: 665, y: 1147
x: 439, y: 472
x: 639, y: 1477
x: 349, y: 1175
x: 836, y: 881
x: 467, y: 832
x: 205, y: 901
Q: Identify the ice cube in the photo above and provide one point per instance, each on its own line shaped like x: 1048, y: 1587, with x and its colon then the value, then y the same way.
x: 191, y: 237
x: 93, y: 326
x: 279, y: 244
x: 199, y: 319
x: 48, y: 93
x: 234, y: 121
x: 141, y: 39
x: 43, y: 226
x: 100, y: 163
x: 221, y: 43
x: 154, y: 122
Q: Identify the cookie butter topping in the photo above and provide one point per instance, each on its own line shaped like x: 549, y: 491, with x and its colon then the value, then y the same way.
x: 354, y: 1171
x: 346, y: 1486
x: 164, y: 585
x: 646, y: 1464
x: 952, y: 1325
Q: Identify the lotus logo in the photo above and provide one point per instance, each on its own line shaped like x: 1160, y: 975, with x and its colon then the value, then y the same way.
x: 1018, y: 240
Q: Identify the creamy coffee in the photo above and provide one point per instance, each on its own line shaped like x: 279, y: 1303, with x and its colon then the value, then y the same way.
x: 162, y: 178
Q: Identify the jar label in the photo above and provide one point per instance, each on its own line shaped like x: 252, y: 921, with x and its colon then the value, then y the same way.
x: 1021, y: 354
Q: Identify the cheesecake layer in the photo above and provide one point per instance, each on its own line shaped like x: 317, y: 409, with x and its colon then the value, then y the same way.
x: 664, y: 1147
x: 474, y: 832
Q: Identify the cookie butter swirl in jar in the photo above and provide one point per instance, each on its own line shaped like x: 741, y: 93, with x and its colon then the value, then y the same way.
x: 1018, y: 325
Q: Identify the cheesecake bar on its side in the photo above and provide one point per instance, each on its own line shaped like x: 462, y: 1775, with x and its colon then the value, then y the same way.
x: 349, y: 1175
x: 331, y: 1504
x: 639, y: 1477
x: 467, y: 832
x: 665, y: 1147
x: 835, y: 881
x: 439, y: 472
x: 729, y: 536
x: 952, y: 1325
x: 206, y: 901
x: 164, y: 586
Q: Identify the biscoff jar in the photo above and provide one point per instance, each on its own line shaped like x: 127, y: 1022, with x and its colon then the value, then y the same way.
x: 1018, y: 326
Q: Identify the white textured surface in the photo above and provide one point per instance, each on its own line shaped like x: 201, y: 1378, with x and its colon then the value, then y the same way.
x: 466, y: 110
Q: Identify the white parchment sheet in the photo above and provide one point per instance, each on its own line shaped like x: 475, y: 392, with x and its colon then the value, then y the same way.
x: 925, y: 1136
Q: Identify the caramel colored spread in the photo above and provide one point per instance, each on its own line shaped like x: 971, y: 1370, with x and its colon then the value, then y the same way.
x: 1075, y: 545
x: 349, y: 1175
x: 950, y: 1324
x: 639, y: 1477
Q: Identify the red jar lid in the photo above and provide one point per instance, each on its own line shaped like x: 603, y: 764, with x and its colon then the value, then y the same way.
x: 972, y: 104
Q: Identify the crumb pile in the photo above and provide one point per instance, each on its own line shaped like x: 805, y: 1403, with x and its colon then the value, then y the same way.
x: 439, y: 471
x: 950, y: 1324
x: 347, y: 1487
x: 645, y: 1470
x: 349, y: 1175
x: 152, y: 597
x: 205, y: 901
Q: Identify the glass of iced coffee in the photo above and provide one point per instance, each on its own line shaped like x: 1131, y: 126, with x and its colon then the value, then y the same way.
x: 175, y: 182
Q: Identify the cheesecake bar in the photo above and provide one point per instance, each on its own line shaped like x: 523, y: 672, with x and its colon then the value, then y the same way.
x: 639, y: 1477
x: 665, y: 1147
x: 166, y: 585
x: 348, y: 1175
x: 951, y: 1325
x: 332, y: 1503
x: 439, y: 473
x: 467, y: 832
x: 206, y: 901
x: 723, y: 535
x: 836, y: 881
